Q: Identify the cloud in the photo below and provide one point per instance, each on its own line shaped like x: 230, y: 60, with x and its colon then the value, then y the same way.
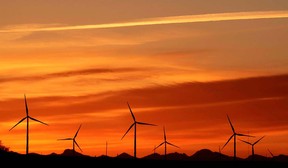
x: 195, y: 93
x: 163, y: 20
x: 191, y: 112
x: 68, y: 74
x: 252, y: 97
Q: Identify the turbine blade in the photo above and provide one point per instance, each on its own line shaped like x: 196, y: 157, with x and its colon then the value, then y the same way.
x: 228, y: 140
x: 271, y: 153
x: 231, y: 124
x: 77, y: 131
x: 164, y: 133
x: 131, y: 112
x: 26, y: 106
x: 142, y: 123
x: 258, y: 140
x: 172, y: 144
x: 65, y: 139
x: 245, y: 142
x: 77, y: 145
x: 159, y: 145
x: 37, y: 120
x: 244, y: 135
x: 128, y: 130
x: 18, y: 123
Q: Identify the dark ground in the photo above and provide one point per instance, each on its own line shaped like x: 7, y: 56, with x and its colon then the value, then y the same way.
x: 82, y: 162
x: 202, y: 158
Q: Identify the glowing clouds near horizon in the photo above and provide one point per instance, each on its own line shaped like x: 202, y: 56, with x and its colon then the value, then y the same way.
x: 193, y: 113
x: 159, y: 20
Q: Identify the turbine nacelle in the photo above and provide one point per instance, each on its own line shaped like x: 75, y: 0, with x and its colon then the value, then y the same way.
x: 252, y: 144
x: 27, y: 118
x: 74, y: 139
x: 234, y: 135
x: 135, y: 122
x: 134, y: 125
x: 165, y: 142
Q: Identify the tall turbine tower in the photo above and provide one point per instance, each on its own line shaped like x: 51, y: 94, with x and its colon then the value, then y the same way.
x: 27, y: 124
x: 252, y: 144
x: 165, y: 142
x: 134, y: 124
x: 234, y: 136
x: 74, y: 140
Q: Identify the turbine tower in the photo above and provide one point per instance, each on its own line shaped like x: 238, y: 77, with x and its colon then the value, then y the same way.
x: 252, y: 144
x: 74, y: 140
x: 234, y: 135
x: 165, y: 142
x: 106, y: 148
x: 134, y: 124
x: 27, y: 124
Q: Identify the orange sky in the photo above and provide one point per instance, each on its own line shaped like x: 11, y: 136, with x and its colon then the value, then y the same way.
x: 186, y: 74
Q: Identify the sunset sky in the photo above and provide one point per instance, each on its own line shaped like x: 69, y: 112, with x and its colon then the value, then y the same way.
x: 183, y: 64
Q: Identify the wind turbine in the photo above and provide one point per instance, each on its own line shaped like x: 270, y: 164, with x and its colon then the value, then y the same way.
x: 27, y: 124
x: 134, y: 124
x: 165, y: 142
x: 74, y: 140
x: 106, y: 148
x: 252, y: 144
x: 235, y: 134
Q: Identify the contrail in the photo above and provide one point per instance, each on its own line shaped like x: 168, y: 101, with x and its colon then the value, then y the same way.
x: 165, y: 20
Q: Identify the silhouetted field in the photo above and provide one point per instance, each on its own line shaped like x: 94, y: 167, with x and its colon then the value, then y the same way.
x: 65, y: 161
x: 60, y: 160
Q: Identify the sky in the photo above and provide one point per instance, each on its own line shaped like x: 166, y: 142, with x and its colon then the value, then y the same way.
x: 183, y: 65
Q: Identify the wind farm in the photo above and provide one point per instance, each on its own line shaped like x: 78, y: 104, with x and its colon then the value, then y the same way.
x: 183, y: 82
x: 210, y: 157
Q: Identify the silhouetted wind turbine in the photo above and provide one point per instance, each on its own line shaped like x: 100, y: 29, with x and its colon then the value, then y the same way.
x: 74, y: 140
x: 252, y: 144
x: 27, y: 129
x: 234, y: 135
x: 106, y: 148
x: 134, y: 124
x: 165, y: 142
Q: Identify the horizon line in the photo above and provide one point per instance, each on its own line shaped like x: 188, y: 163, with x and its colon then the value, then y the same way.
x: 131, y: 155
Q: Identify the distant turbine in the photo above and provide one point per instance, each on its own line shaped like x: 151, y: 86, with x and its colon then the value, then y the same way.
x: 27, y: 129
x: 234, y: 135
x: 134, y: 124
x: 252, y: 144
x: 165, y: 143
x: 106, y: 148
x: 74, y: 140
